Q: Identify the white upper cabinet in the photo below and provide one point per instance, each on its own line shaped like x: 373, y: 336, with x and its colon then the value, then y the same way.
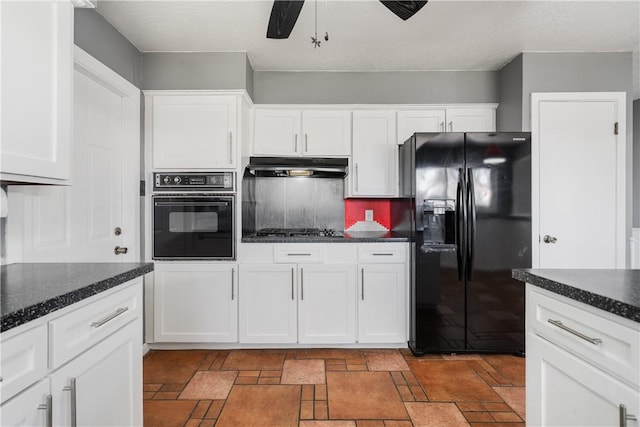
x: 37, y: 75
x: 193, y: 131
x: 467, y: 119
x: 375, y: 154
x: 412, y: 121
x: 318, y: 133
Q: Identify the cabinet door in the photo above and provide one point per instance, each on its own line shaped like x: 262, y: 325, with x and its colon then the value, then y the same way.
x: 268, y: 307
x: 195, y: 303
x: 375, y: 155
x: 327, y: 306
x: 106, y: 382
x: 412, y: 121
x: 382, y: 304
x: 563, y: 390
x: 326, y: 133
x: 276, y: 132
x: 37, y: 72
x: 194, y: 131
x: 471, y: 120
x: 27, y: 409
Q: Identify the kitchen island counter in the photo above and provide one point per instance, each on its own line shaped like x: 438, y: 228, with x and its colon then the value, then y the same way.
x: 32, y: 290
x: 614, y: 291
x: 356, y: 237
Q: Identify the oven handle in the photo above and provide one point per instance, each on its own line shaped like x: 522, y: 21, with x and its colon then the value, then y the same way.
x: 192, y: 204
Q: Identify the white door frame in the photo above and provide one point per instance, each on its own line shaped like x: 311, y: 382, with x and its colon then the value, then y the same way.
x: 621, y: 179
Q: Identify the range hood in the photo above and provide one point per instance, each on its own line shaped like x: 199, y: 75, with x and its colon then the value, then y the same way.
x: 312, y: 167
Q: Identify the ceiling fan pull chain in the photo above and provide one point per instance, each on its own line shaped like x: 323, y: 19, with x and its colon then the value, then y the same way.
x: 326, y: 20
x: 315, y: 40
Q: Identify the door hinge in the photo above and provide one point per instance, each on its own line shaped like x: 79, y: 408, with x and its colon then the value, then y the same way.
x: 615, y: 128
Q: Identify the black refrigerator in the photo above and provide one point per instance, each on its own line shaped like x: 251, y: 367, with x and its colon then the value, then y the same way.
x: 467, y: 203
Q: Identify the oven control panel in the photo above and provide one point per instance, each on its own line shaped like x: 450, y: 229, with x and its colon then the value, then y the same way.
x: 193, y: 181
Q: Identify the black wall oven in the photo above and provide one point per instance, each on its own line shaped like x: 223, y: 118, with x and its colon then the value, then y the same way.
x: 198, y: 222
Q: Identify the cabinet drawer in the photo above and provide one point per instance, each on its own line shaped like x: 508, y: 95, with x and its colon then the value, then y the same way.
x: 592, y: 334
x: 298, y: 254
x: 382, y: 253
x: 82, y: 328
x: 23, y: 360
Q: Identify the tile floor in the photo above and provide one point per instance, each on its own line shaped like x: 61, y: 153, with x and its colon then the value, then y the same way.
x: 331, y: 388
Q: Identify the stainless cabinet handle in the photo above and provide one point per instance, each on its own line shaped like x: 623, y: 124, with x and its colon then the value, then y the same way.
x: 73, y: 399
x: 442, y: 129
x: 292, y: 284
x: 382, y: 254
x: 120, y: 250
x: 306, y: 144
x: 356, y: 177
x: 451, y: 126
x: 624, y: 417
x: 233, y: 275
x: 362, y: 282
x: 230, y: 147
x: 295, y: 143
x: 298, y: 254
x: 560, y: 325
x: 302, y: 284
x: 48, y: 406
x: 549, y: 239
x: 112, y: 316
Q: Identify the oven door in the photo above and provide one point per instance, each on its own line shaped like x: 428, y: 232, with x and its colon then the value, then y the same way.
x: 188, y: 227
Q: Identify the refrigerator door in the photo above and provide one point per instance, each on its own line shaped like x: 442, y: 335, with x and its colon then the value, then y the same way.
x: 437, y: 288
x: 499, y: 238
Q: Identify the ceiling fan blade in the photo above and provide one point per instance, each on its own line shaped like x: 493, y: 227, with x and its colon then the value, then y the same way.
x: 404, y: 9
x: 284, y: 15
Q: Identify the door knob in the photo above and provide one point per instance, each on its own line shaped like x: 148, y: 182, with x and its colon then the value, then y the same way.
x: 549, y: 239
x: 118, y: 250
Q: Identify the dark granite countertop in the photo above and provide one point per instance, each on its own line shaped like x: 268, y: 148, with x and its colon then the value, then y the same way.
x: 615, y: 291
x: 357, y: 237
x: 30, y: 291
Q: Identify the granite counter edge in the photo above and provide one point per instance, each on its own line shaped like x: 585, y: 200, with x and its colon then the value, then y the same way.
x: 33, y: 312
x: 598, y: 301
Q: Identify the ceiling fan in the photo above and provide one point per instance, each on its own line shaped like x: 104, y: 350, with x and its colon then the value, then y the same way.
x: 284, y: 14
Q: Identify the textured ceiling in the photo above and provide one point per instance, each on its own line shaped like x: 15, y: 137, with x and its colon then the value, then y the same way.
x: 364, y: 35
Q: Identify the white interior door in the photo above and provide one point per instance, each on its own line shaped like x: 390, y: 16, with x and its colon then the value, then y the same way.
x: 578, y: 180
x: 80, y: 222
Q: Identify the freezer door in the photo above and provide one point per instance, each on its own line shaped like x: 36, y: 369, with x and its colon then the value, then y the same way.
x: 437, y: 288
x: 499, y: 238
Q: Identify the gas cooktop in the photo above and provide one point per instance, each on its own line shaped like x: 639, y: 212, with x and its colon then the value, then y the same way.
x: 298, y: 232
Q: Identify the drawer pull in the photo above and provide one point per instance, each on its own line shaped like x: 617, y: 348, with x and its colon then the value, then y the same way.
x: 560, y: 325
x: 382, y: 254
x: 298, y: 254
x: 112, y: 316
x: 624, y: 417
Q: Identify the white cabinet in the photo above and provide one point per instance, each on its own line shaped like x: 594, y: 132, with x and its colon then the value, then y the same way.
x: 453, y: 119
x: 374, y: 166
x: 319, y: 133
x: 412, y: 121
x: 37, y: 75
x: 192, y: 131
x: 31, y: 408
x: 579, y: 379
x: 326, y: 307
x: 268, y: 303
x: 469, y: 119
x: 195, y: 302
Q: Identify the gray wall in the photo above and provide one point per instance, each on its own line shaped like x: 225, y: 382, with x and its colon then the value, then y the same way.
x: 509, y: 113
x: 97, y: 37
x: 198, y: 70
x: 636, y: 163
x: 405, y: 87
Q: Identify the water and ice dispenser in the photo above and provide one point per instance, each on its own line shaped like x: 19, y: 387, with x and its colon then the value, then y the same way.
x: 439, y: 216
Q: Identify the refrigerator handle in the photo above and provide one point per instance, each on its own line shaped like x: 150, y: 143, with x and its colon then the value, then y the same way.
x: 460, y: 223
x: 471, y: 223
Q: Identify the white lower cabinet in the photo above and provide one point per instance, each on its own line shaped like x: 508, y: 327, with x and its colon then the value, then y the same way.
x: 582, y: 364
x: 31, y: 408
x: 327, y: 307
x: 195, y: 302
x: 382, y: 304
x: 102, y: 387
x: 268, y: 303
x: 563, y: 390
